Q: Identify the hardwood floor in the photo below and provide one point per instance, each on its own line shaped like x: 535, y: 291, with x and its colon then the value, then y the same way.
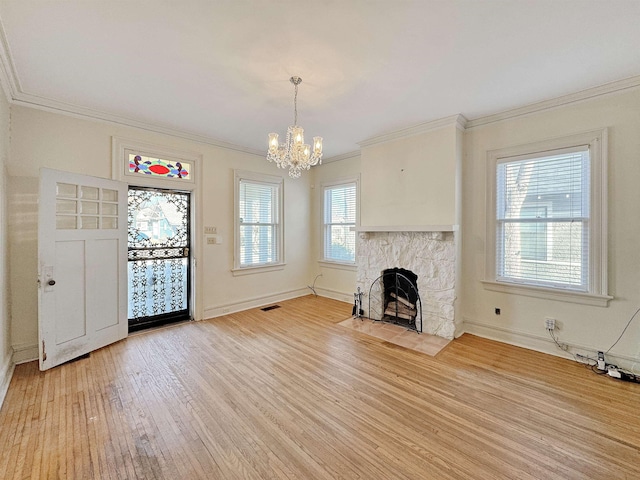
x: 289, y: 394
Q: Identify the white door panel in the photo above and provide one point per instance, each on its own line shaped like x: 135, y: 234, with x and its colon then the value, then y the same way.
x: 82, y: 248
x: 100, y: 294
x: 68, y: 273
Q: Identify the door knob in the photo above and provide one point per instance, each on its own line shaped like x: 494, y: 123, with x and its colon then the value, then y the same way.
x: 51, y: 282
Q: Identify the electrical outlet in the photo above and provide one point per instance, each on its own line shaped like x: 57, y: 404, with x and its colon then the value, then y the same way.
x: 212, y: 240
x: 210, y: 230
x: 497, y: 311
x: 550, y: 323
x: 602, y: 365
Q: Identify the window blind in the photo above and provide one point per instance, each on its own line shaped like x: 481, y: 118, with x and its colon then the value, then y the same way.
x: 542, y: 219
x: 340, y: 222
x: 259, y: 218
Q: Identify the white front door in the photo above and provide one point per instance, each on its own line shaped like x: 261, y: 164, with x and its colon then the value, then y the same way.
x: 82, y: 265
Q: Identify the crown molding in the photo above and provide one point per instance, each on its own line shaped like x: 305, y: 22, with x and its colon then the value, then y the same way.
x: 343, y: 156
x: 46, y: 104
x: 582, y: 95
x: 10, y: 83
x: 8, y: 77
x: 458, y: 120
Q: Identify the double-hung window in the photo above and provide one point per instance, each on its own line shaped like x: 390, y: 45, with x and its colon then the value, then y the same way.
x: 549, y: 216
x: 542, y: 221
x: 258, y: 220
x: 340, y: 207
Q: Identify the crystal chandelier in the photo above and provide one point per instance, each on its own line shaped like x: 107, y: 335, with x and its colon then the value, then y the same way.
x: 294, y: 154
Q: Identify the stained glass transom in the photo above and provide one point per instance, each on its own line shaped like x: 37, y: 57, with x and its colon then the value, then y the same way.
x: 158, y: 167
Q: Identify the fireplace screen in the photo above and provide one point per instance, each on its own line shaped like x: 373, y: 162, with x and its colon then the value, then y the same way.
x: 394, y: 298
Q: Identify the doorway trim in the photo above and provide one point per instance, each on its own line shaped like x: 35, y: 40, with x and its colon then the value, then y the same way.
x: 119, y: 150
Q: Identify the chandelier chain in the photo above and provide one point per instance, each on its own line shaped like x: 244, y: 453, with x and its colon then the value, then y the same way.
x: 295, y: 105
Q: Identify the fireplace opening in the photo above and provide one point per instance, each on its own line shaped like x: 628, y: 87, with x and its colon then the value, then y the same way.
x: 394, y: 298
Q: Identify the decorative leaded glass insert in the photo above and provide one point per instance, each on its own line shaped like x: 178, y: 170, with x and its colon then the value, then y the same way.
x: 159, y: 167
x: 158, y: 253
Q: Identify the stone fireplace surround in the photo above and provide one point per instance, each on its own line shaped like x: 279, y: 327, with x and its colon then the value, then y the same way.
x: 430, y: 255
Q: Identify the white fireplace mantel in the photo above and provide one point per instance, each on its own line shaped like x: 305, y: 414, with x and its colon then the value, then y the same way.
x: 409, y: 228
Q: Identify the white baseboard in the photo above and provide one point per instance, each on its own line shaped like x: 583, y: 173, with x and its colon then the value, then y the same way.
x: 334, y: 294
x: 541, y: 343
x: 25, y: 353
x: 6, y: 372
x: 255, y: 302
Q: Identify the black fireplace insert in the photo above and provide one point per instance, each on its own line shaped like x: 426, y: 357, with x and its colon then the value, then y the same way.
x: 401, y: 303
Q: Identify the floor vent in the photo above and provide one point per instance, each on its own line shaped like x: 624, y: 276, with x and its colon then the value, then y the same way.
x: 266, y: 309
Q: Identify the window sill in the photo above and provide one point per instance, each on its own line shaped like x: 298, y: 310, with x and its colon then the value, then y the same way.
x: 258, y: 269
x: 338, y: 265
x: 549, y: 293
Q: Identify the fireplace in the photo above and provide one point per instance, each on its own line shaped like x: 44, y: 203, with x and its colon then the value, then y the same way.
x: 400, y: 298
x: 430, y: 257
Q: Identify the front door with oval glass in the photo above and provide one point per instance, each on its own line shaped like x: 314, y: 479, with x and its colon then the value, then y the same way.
x: 159, y: 277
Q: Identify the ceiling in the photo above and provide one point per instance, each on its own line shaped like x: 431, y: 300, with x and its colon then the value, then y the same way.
x: 220, y: 69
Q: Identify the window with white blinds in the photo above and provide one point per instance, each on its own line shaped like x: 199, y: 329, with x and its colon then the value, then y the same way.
x: 340, y: 222
x: 543, y: 219
x: 259, y: 225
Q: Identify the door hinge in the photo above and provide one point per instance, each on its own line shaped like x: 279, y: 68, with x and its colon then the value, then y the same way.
x: 44, y: 352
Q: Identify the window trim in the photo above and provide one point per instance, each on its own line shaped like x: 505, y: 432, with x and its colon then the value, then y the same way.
x: 272, y: 180
x: 596, y: 294
x: 329, y: 262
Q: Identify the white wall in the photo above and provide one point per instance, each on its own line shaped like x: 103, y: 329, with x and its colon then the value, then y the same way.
x: 521, y: 322
x: 336, y: 281
x: 43, y: 139
x: 5, y: 330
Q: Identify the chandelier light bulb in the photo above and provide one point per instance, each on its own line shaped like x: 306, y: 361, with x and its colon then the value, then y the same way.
x: 273, y: 142
x: 317, y: 145
x: 298, y: 135
x: 295, y: 154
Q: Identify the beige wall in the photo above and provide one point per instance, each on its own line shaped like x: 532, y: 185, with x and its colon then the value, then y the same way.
x: 43, y: 139
x: 5, y: 331
x: 410, y: 181
x: 522, y: 318
x: 336, y: 281
x: 585, y: 328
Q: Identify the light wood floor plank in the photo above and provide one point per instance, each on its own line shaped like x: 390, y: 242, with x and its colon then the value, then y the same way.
x: 290, y: 394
